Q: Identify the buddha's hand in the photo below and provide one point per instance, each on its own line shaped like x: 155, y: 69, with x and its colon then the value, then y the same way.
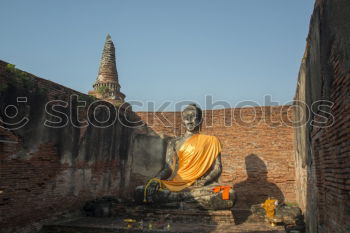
x: 152, y: 188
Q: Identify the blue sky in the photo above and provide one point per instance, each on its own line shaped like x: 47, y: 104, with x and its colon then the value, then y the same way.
x: 179, y: 50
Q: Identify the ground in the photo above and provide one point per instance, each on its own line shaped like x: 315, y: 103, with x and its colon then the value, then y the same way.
x: 101, y: 225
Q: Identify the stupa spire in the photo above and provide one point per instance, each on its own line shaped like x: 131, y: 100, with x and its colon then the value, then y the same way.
x: 107, y: 82
x: 108, y: 68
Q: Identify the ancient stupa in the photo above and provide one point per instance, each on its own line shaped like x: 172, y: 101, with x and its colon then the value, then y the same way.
x: 107, y: 85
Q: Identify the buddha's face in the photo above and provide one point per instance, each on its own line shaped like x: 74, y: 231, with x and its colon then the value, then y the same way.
x: 190, y: 119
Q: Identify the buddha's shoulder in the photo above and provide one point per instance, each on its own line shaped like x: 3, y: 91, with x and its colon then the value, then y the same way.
x: 181, y: 139
x: 175, y: 140
x: 210, y: 137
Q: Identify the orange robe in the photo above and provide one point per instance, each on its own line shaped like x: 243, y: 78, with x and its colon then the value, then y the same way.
x: 196, y: 155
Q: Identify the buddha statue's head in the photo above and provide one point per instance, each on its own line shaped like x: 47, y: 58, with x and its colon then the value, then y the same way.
x: 192, y: 118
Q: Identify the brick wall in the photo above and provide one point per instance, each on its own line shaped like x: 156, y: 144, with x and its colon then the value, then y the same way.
x: 323, y: 160
x: 45, y: 172
x: 259, y: 143
x: 323, y: 150
x: 55, y: 170
x: 331, y: 155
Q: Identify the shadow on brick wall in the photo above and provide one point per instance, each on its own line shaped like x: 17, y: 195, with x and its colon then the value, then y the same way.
x: 255, y: 189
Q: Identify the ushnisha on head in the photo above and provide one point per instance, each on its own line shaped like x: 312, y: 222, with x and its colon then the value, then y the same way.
x: 192, y: 118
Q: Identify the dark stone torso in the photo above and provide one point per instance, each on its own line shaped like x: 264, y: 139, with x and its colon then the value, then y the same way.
x: 174, y: 145
x: 199, y: 195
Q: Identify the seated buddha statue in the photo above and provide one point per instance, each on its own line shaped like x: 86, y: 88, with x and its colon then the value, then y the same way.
x: 190, y: 175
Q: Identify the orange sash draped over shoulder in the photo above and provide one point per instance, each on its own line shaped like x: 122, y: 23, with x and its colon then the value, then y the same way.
x: 196, y: 156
